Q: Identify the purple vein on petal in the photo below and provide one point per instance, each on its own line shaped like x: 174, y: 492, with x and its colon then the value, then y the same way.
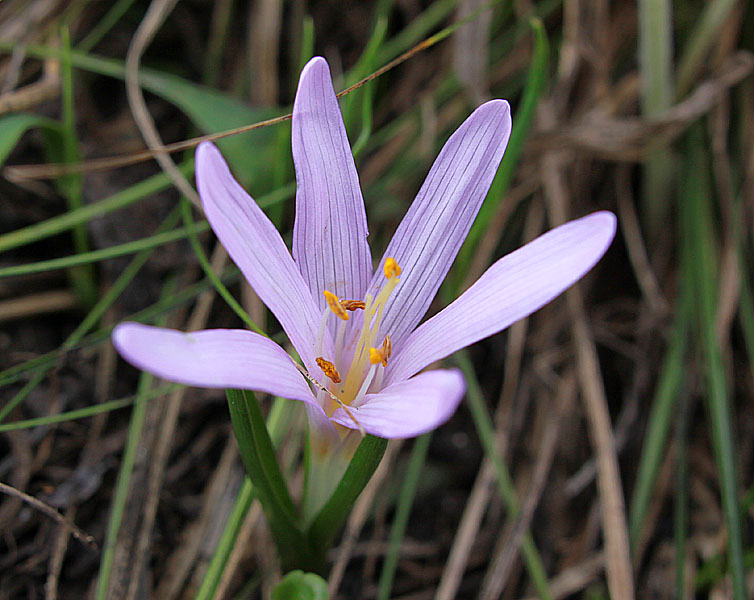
x: 433, y: 230
x: 512, y: 288
x: 257, y: 248
x: 330, y: 231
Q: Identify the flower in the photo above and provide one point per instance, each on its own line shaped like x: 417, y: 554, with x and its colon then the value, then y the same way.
x: 356, y: 329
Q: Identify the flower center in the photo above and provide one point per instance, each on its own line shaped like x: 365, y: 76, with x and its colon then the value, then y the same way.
x: 369, y: 353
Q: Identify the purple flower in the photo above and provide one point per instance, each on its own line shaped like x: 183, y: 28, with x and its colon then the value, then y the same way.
x: 356, y: 329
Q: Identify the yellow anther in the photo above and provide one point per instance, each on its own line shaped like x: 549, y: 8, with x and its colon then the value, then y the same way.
x: 328, y: 369
x: 353, y: 305
x: 335, y: 305
x: 392, y: 268
x: 375, y: 356
x: 380, y: 356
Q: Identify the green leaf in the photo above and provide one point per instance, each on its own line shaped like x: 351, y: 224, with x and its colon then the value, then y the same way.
x: 699, y: 245
x: 328, y: 522
x: 12, y: 127
x: 298, y: 585
x: 261, y: 465
x: 277, y: 422
x: 249, y: 154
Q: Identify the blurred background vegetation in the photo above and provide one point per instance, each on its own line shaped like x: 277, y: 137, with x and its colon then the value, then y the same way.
x: 606, y: 445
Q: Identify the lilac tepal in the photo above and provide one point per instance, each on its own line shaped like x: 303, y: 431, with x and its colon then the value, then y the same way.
x: 355, y: 328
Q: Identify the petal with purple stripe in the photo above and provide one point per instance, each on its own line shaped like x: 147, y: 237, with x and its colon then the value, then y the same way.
x: 430, y: 235
x: 257, y: 248
x: 512, y: 288
x: 330, y: 231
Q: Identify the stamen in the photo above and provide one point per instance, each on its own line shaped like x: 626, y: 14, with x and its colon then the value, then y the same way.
x: 392, y: 268
x: 353, y: 305
x: 365, y: 385
x: 328, y: 369
x: 335, y: 305
x: 373, y: 311
x: 387, y: 349
x: 321, y: 333
x: 339, y: 341
x: 375, y: 356
x: 380, y: 356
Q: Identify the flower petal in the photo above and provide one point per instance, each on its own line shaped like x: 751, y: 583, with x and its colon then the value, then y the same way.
x: 512, y: 288
x: 430, y: 235
x: 214, y: 358
x: 408, y: 408
x: 257, y: 248
x: 330, y: 232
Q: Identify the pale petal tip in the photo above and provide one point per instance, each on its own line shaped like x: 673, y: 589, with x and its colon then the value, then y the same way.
x: 127, y: 337
x: 315, y: 65
x: 604, y: 224
x: 498, y: 109
x: 122, y: 333
x: 206, y: 151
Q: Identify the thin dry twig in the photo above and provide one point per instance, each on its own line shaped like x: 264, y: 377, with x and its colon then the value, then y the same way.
x: 263, y: 39
x: 631, y: 138
x: 576, y: 578
x: 181, y: 561
x: 483, y: 488
x: 637, y: 252
x: 58, y: 554
x: 19, y: 173
x: 245, y: 536
x: 156, y: 14
x: 614, y: 524
x: 34, y: 94
x: 509, y: 546
x: 37, y: 304
x: 50, y: 512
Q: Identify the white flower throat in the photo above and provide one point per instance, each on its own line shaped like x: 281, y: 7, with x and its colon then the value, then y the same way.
x: 369, y: 353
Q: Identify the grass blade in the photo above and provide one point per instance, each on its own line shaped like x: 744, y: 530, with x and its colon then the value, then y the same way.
x: 661, y: 416
x: 700, y: 245
x: 246, y: 495
x: 71, y: 219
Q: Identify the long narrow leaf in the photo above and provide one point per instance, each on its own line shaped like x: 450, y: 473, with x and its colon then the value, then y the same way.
x: 264, y: 472
x: 330, y: 519
x: 699, y: 236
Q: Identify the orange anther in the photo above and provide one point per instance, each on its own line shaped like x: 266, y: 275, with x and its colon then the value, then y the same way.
x: 353, y: 305
x: 328, y: 369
